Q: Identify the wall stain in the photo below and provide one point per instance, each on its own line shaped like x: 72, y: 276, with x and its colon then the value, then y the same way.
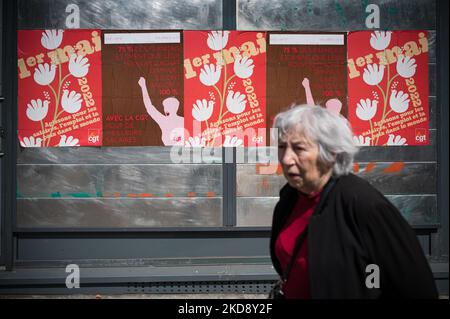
x: 340, y: 11
x: 394, y: 167
x: 271, y: 168
x: 79, y: 195
x: 370, y: 166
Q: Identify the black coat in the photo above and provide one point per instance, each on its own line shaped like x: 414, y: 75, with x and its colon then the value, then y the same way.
x: 358, y: 226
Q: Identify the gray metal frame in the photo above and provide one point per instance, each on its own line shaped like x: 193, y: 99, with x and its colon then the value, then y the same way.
x: 9, y: 123
x: 443, y: 120
x: 258, y: 287
x: 229, y: 14
x: 229, y: 200
x: 229, y: 187
x: 2, y: 135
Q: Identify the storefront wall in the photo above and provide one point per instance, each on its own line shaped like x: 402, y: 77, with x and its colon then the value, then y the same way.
x: 220, y: 233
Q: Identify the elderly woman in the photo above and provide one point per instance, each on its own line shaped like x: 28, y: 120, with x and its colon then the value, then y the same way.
x: 333, y: 234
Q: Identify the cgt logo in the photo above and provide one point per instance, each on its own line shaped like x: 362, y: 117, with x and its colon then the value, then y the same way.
x: 421, y: 135
x: 93, y: 136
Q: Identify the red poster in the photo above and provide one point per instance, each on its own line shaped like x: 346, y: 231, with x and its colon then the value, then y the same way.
x: 59, y: 88
x: 388, y: 87
x: 224, y: 90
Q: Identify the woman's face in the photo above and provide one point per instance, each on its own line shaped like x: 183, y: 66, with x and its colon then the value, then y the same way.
x: 299, y: 157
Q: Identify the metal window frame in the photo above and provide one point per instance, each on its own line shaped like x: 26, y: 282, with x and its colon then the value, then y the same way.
x: 442, y: 59
x: 12, y: 233
x: 9, y: 123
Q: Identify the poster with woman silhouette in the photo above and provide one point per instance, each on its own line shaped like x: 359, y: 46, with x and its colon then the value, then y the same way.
x: 306, y: 68
x: 143, y: 88
x: 59, y: 88
x: 224, y: 90
x: 388, y: 87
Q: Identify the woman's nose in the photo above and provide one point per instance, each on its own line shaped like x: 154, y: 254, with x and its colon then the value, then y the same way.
x: 287, y: 158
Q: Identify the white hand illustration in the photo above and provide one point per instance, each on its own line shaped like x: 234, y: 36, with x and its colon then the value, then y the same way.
x: 236, y: 102
x: 78, y: 65
x: 309, y: 97
x: 217, y: 40
x: 373, y: 74
x: 361, y: 140
x: 31, y: 142
x: 142, y: 82
x: 68, y: 141
x: 243, y: 67
x: 366, y: 109
x: 71, y: 102
x: 406, y: 66
x: 202, y: 110
x: 51, y: 39
x: 305, y: 83
x: 210, y: 74
x: 232, y: 141
x: 399, y: 101
x: 379, y: 40
x: 37, y: 110
x: 396, y: 140
x: 44, y: 74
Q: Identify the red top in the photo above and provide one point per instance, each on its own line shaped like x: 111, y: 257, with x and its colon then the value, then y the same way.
x: 297, y: 285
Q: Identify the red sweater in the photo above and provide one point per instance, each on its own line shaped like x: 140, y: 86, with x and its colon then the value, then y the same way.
x: 297, y: 285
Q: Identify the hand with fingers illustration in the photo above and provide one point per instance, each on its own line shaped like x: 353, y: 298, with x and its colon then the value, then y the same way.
x: 170, y: 123
x: 333, y: 105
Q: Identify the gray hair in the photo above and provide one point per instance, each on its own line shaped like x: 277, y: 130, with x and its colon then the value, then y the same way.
x: 330, y: 131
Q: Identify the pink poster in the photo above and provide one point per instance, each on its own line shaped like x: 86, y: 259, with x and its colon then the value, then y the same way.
x: 388, y: 87
x: 60, y: 83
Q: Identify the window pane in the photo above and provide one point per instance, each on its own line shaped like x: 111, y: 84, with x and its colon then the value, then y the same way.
x: 122, y: 14
x: 117, y: 187
x: 307, y: 15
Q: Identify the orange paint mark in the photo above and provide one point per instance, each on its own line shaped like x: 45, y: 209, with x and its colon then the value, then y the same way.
x: 394, y: 167
x: 279, y: 170
x: 132, y: 195
x: 261, y: 169
x: 355, y: 168
x: 269, y: 169
x: 264, y: 186
x: 370, y: 167
x: 145, y: 195
x: 168, y: 195
x: 210, y: 194
x: 191, y: 194
x: 116, y: 194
